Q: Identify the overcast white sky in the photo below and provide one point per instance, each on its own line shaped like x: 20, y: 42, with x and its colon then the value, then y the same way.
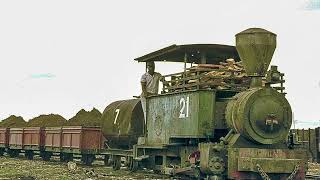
x: 61, y: 56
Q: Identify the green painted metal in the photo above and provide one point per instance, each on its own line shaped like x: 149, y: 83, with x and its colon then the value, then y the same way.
x: 256, y: 47
x: 213, y: 158
x: 261, y: 115
x: 181, y: 115
x: 274, y: 160
x: 196, y: 53
x: 256, y: 120
x: 123, y: 122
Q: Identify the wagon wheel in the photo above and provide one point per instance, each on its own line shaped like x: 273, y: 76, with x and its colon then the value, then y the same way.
x: 88, y: 159
x: 116, y: 163
x: 13, y: 153
x: 65, y: 157
x: 106, y: 160
x: 69, y: 157
x: 62, y: 157
x: 16, y: 153
x: 29, y: 155
x: 2, y: 151
x: 133, y: 165
x: 46, y: 156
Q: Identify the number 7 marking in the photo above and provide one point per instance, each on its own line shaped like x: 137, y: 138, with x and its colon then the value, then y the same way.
x: 115, y: 119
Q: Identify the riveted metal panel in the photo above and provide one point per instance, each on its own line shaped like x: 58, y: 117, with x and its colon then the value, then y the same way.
x: 270, y: 160
x: 182, y: 115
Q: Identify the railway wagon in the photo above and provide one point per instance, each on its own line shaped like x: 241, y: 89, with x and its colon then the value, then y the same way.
x: 33, y: 140
x: 4, y: 140
x: 86, y: 141
x: 310, y: 139
x: 65, y: 141
x: 28, y: 139
x: 73, y: 140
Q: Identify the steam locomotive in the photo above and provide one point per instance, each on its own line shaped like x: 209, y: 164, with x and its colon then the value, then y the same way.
x: 196, y: 128
x: 209, y: 122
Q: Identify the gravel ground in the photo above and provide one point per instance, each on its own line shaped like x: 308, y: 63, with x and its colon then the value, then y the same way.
x: 13, y: 168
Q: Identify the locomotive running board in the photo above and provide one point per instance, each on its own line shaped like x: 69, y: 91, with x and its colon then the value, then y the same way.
x: 140, y: 158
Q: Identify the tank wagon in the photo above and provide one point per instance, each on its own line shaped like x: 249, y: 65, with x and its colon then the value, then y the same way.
x: 239, y: 132
x: 122, y: 123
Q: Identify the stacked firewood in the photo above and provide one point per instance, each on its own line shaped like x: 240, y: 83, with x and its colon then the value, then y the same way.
x: 223, y: 75
x: 228, y: 75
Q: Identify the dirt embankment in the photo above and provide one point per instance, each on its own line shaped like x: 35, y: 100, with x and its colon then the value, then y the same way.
x: 82, y: 118
x: 85, y: 118
x: 50, y: 120
x: 13, y: 121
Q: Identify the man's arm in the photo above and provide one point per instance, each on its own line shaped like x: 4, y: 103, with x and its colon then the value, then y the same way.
x: 144, y: 89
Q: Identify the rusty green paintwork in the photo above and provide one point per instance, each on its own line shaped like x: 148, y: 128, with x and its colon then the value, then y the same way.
x: 243, y: 157
x: 271, y: 160
x: 180, y: 115
x: 194, y: 53
x: 260, y: 114
x: 122, y: 123
x: 240, y: 159
x: 213, y: 158
x: 256, y: 47
x: 258, y: 119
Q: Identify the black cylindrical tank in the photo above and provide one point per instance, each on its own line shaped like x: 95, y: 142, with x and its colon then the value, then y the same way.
x: 122, y: 123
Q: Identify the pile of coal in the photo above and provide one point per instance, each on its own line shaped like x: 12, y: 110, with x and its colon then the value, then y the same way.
x: 50, y: 120
x: 13, y: 121
x: 85, y: 118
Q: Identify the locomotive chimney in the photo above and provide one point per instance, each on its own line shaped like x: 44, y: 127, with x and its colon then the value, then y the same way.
x: 256, y: 47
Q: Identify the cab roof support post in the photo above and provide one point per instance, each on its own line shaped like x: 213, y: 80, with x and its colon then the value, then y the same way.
x: 185, y: 69
x: 203, y: 59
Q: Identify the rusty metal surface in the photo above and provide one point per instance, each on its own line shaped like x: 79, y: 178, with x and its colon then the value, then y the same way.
x: 243, y: 161
x: 83, y: 138
x: 256, y: 47
x: 262, y: 115
x: 4, y: 137
x: 16, y: 137
x: 122, y: 123
x: 214, y: 53
x: 33, y: 136
x: 53, y: 137
x: 183, y: 115
x: 308, y: 139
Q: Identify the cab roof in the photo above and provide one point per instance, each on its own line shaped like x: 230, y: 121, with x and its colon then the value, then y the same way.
x: 194, y: 53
